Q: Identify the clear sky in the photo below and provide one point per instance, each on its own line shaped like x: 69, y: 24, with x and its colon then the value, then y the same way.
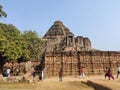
x: 97, y: 19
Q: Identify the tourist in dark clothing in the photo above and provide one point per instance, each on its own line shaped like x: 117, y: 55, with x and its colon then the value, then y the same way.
x: 34, y: 75
x: 60, y: 75
x: 106, y: 70
x: 109, y: 74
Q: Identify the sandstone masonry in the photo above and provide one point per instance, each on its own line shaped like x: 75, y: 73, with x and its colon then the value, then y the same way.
x: 64, y: 50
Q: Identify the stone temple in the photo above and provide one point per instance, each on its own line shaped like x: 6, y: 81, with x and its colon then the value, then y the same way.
x: 64, y: 50
x: 60, y: 38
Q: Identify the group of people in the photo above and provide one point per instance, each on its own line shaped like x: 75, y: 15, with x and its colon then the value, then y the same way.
x: 82, y: 73
x: 7, y: 72
x: 41, y: 75
x: 108, y: 73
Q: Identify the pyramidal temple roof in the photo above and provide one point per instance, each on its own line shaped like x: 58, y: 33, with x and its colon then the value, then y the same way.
x: 58, y: 29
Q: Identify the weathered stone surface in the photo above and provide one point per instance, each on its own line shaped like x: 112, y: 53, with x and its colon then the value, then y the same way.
x: 3, y: 79
x: 60, y: 38
x: 69, y: 52
x: 28, y: 67
x: 95, y: 62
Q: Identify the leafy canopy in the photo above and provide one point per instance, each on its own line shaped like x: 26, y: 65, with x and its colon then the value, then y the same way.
x: 15, y: 45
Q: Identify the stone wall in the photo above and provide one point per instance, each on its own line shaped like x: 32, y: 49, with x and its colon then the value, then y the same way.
x: 94, y: 62
x: 24, y: 67
x: 82, y: 43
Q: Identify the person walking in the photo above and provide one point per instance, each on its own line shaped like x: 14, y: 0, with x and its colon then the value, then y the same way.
x: 34, y: 75
x: 8, y: 72
x: 118, y: 72
x: 109, y: 74
x: 106, y: 70
x: 82, y: 72
x: 42, y: 74
x: 60, y: 75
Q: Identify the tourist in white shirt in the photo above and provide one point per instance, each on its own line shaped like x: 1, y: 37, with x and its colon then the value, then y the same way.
x: 8, y: 72
x: 118, y: 72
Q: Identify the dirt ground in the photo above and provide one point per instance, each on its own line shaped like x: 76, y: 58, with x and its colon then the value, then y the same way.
x: 68, y: 83
x: 113, y: 84
x: 52, y: 83
x: 99, y: 79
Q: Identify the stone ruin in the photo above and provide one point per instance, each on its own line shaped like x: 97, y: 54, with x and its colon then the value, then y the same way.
x: 25, y: 71
x: 59, y: 38
x: 64, y: 50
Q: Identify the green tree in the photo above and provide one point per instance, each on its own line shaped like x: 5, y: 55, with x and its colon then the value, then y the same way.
x: 11, y: 47
x: 2, y: 41
x: 15, y: 45
x: 34, y: 44
x: 2, y: 13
